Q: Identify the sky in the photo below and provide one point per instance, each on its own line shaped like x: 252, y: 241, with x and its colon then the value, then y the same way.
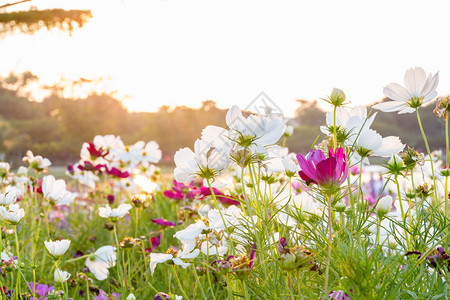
x: 177, y: 52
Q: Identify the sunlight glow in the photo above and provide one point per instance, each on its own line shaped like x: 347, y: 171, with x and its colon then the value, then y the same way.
x: 145, y: 184
x: 184, y: 52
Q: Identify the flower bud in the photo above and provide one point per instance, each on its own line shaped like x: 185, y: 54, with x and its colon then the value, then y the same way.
x: 425, y: 190
x: 411, y: 157
x: 288, y: 131
x: 4, y: 169
x: 340, y: 207
x: 384, y: 206
x: 411, y: 194
x: 392, y: 243
x: 445, y: 172
x: 337, y: 97
x: 395, y: 164
x: 60, y: 276
x: 109, y: 226
x: 200, y: 270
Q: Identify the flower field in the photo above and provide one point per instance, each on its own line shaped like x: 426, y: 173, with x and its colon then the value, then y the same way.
x: 241, y: 217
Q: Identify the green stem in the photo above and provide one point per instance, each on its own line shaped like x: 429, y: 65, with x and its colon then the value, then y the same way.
x: 378, y: 231
x: 401, y: 209
x: 198, y: 283
x: 447, y: 145
x: 216, y: 202
x: 334, y: 129
x: 288, y: 278
x: 447, y: 151
x: 255, y: 187
x: 46, y: 220
x: 179, y: 283
x: 330, y: 240
x: 207, y: 268
x: 429, y: 153
x: 17, y: 291
x: 136, y: 220
x: 118, y: 263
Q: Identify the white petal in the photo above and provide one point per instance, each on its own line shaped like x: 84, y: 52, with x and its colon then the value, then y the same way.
x: 179, y: 262
x: 396, y: 92
x: 390, y: 106
x: 415, y: 79
x: 156, y: 258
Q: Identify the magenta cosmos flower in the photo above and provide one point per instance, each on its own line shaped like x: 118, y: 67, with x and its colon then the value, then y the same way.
x: 328, y: 173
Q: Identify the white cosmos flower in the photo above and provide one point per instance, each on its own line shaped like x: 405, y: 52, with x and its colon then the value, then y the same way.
x: 131, y: 296
x: 13, y: 214
x: 108, y: 142
x: 255, y: 131
x: 213, y: 226
x: 10, y: 196
x: 186, y: 253
x: 55, y: 191
x: 61, y: 276
x: 151, y: 153
x: 5, y: 256
x: 291, y: 205
x: 115, y: 213
x: 204, y: 162
x: 86, y: 178
x: 265, y: 129
x: 22, y: 171
x: 57, y: 248
x: 101, y: 260
x: 129, y: 154
x: 369, y: 142
x: 419, y: 89
x: 274, y: 159
x: 212, y: 222
x: 36, y: 162
x: 353, y: 120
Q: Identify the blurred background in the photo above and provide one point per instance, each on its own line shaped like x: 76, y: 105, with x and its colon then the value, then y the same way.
x: 163, y: 70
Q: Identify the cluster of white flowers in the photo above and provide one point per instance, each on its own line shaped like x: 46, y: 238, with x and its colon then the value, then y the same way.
x: 251, y: 136
x: 207, y: 235
x: 353, y: 125
x: 108, y: 154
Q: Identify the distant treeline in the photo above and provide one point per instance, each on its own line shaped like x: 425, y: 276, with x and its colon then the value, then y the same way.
x: 57, y: 127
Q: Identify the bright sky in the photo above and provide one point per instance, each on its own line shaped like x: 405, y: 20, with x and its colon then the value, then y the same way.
x: 179, y: 52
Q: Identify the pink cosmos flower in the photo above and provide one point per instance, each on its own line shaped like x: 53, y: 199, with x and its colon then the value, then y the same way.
x: 95, y: 153
x: 328, y: 172
x: 181, y: 191
x: 41, y: 290
x: 155, y: 241
x: 88, y: 166
x: 224, y: 199
x: 117, y: 173
x: 338, y: 295
x: 163, y: 222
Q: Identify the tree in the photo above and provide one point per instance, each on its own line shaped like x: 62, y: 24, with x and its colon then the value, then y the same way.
x: 33, y: 19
